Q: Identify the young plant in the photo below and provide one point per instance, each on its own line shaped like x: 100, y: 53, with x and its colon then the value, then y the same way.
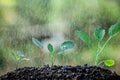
x: 52, y: 53
x: 19, y: 57
x: 99, y: 35
x: 64, y: 46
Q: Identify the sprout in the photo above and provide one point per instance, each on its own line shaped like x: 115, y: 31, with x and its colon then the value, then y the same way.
x: 64, y: 46
x: 19, y: 57
x: 99, y: 35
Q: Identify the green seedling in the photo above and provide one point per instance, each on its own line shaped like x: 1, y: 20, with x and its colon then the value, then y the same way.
x: 19, y: 57
x: 52, y: 53
x: 64, y: 46
x: 99, y: 35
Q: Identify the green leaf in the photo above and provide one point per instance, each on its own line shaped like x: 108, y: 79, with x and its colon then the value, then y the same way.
x: 37, y: 42
x: 114, y: 29
x: 13, y: 54
x: 20, y: 53
x: 99, y: 33
x: 50, y: 47
x: 83, y: 36
x: 67, y: 45
x: 109, y: 63
x: 25, y: 59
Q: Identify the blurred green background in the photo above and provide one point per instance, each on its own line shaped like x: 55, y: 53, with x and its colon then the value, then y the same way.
x: 53, y: 21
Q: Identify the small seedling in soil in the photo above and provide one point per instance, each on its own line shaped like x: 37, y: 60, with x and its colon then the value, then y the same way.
x: 99, y: 35
x: 19, y: 57
x: 52, y: 53
x: 64, y: 46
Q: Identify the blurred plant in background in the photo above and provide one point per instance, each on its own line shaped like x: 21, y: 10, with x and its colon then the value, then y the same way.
x: 47, y: 20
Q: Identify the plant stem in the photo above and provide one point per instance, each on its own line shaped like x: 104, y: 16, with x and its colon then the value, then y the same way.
x: 99, y: 51
x: 52, y: 58
x: 17, y: 64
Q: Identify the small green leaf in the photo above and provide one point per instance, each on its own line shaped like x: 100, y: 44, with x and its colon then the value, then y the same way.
x: 50, y: 47
x: 18, y: 58
x: 25, y: 59
x: 20, y: 53
x: 37, y: 42
x: 99, y: 33
x: 67, y: 45
x: 13, y: 54
x: 114, y: 29
x: 83, y: 36
x: 109, y: 63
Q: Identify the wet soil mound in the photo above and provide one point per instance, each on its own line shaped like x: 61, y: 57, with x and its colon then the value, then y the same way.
x: 61, y: 73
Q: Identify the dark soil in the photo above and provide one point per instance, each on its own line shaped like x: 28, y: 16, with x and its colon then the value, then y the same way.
x: 61, y: 73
